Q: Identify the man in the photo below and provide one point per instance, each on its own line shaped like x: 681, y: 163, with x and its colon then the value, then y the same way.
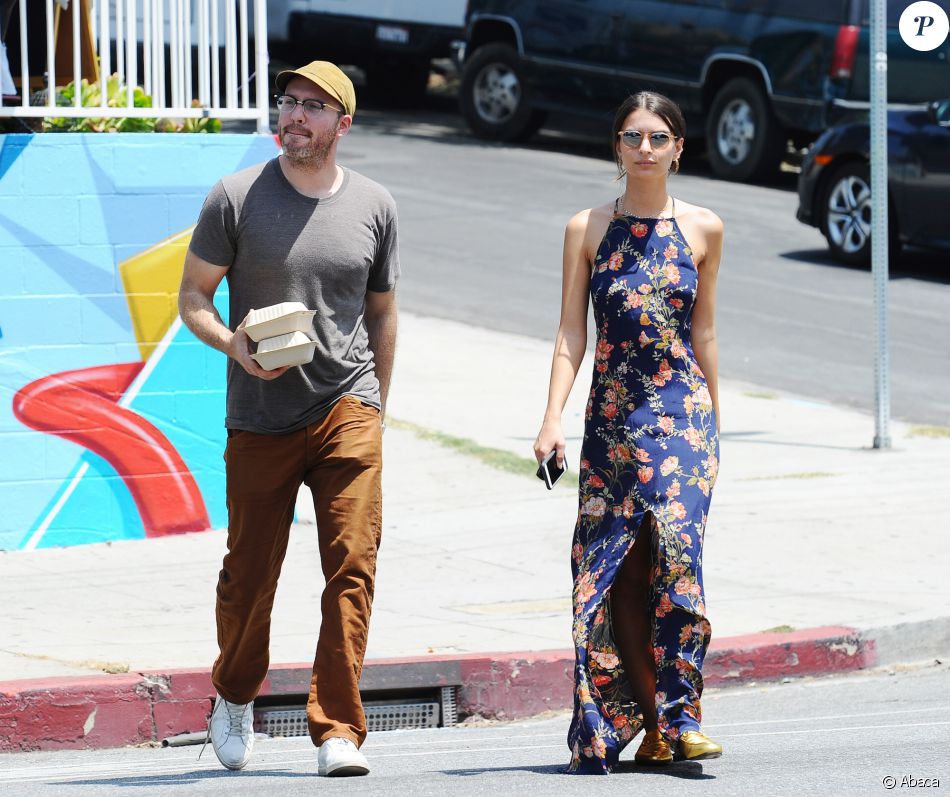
x: 300, y: 228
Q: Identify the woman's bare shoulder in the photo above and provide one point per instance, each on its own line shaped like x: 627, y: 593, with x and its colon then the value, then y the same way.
x: 700, y: 217
x: 588, y: 227
x: 701, y: 227
x: 597, y: 216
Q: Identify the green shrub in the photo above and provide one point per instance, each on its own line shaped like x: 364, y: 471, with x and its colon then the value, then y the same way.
x: 117, y: 97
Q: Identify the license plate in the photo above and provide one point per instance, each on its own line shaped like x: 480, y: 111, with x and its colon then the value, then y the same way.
x: 392, y: 34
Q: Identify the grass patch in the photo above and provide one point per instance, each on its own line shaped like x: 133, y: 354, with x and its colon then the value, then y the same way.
x: 809, y: 474
x: 110, y: 667
x: 496, y: 458
x: 779, y: 629
x: 930, y: 431
x: 760, y: 394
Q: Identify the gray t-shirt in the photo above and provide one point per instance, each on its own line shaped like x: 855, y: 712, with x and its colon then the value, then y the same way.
x: 281, y: 246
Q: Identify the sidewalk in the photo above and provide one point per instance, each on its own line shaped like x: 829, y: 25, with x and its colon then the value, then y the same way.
x: 809, y: 528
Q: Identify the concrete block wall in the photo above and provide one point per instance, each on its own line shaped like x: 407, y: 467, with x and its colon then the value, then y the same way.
x: 97, y: 373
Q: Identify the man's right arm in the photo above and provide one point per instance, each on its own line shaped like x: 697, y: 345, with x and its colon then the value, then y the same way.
x: 196, y: 306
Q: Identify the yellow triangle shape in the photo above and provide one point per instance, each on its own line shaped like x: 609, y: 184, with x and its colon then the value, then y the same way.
x: 151, y: 280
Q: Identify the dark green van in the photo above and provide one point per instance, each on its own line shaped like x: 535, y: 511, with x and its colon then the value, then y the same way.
x: 750, y: 75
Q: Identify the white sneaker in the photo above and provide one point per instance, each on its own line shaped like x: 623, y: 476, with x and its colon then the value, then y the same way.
x: 340, y: 758
x: 232, y: 733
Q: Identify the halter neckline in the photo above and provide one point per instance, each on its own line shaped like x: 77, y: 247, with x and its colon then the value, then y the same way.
x: 619, y: 212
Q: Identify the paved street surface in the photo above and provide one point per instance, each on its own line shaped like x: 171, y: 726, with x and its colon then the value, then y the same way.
x: 808, y: 527
x: 482, y: 225
x: 813, y: 736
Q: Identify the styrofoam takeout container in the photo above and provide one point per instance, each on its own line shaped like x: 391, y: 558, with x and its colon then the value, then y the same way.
x: 294, y: 348
x: 278, y: 319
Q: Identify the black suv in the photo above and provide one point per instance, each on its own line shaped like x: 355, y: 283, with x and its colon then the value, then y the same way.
x: 750, y: 75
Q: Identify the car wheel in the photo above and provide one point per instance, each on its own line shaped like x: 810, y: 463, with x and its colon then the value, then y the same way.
x: 493, y: 96
x: 743, y: 138
x: 846, y: 216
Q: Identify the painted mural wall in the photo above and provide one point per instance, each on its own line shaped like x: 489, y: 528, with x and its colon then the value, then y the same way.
x: 111, y: 411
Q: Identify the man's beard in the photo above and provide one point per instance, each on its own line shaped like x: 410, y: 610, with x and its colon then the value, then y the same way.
x: 310, y: 154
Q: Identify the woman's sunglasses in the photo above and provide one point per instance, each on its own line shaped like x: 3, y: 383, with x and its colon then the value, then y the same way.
x: 633, y: 139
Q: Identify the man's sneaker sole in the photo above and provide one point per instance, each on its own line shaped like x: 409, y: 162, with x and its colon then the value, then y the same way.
x: 347, y: 771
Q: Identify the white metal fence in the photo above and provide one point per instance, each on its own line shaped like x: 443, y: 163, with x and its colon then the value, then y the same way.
x: 178, y: 51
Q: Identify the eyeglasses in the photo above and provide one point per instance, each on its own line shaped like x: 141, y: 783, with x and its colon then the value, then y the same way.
x: 286, y: 104
x: 633, y: 139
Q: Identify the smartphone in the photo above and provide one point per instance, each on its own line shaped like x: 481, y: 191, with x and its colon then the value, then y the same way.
x: 548, y: 470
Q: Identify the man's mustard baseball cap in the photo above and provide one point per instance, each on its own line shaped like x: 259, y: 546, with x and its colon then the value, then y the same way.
x: 327, y: 76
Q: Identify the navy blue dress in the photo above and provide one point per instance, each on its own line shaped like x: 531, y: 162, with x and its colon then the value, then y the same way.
x: 650, y: 448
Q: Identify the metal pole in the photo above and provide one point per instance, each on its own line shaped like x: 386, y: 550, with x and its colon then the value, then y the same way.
x: 188, y: 85
x: 879, y: 222
x: 119, y: 45
x: 245, y: 35
x: 261, y: 74
x: 24, y: 61
x: 203, y: 66
x: 77, y: 58
x: 50, y: 54
x: 105, y: 62
x: 131, y: 54
x: 215, y: 58
x: 147, y: 48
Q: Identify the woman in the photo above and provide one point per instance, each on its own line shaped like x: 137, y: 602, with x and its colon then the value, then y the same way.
x: 651, y: 449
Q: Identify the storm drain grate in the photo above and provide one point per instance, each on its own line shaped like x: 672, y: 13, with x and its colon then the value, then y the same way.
x: 450, y: 711
x: 284, y: 722
x: 382, y: 715
x: 400, y: 716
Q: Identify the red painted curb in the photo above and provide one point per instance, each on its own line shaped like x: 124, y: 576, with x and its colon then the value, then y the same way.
x: 111, y: 711
x: 763, y: 657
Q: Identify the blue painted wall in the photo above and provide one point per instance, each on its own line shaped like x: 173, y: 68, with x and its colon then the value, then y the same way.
x: 73, y: 207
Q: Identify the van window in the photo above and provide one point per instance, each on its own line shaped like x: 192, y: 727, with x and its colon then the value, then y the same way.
x: 834, y: 12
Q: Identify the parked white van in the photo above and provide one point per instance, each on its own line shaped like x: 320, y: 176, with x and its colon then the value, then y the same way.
x: 393, y: 41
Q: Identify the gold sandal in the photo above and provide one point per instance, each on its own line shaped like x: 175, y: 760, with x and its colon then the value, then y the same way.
x: 696, y: 746
x: 654, y: 750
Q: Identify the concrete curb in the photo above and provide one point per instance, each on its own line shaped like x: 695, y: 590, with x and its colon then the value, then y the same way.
x: 112, y: 711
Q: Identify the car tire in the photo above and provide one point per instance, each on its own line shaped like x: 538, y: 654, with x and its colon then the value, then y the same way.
x: 845, y: 219
x: 397, y: 86
x: 493, y: 96
x: 744, y: 140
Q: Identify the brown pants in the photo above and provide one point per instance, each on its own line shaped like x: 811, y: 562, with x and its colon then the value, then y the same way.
x: 340, y: 459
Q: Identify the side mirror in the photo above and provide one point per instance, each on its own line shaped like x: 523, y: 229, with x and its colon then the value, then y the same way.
x: 940, y: 111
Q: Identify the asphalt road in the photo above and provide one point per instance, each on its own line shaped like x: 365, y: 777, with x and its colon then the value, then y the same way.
x: 840, y: 735
x: 482, y: 227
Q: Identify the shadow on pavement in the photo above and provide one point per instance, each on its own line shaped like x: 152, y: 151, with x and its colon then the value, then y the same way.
x: 685, y: 770
x: 178, y: 778
x: 914, y: 263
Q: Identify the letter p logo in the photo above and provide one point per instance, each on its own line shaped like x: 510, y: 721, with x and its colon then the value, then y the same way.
x: 924, y: 26
x: 923, y: 22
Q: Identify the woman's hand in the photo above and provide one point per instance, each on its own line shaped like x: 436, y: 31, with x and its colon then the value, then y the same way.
x: 549, y: 439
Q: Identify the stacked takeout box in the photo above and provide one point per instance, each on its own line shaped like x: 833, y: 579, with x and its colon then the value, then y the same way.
x: 280, y: 333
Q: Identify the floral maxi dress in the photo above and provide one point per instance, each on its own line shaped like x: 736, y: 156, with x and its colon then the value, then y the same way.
x: 650, y: 449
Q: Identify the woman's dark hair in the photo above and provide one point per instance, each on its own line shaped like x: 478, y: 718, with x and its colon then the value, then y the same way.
x: 650, y: 101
